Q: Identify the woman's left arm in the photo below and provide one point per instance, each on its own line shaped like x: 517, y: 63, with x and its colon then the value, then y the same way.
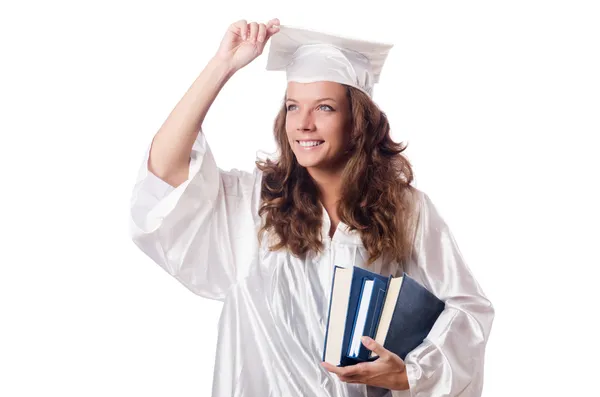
x: 450, y: 360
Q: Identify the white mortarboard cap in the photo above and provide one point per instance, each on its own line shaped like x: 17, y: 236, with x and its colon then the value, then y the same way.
x: 309, y: 56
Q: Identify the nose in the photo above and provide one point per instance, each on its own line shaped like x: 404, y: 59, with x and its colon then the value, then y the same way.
x: 305, y: 121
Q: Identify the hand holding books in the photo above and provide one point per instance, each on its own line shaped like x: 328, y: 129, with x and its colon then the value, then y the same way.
x: 388, y: 371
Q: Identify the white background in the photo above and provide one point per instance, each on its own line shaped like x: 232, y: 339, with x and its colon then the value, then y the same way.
x: 499, y: 103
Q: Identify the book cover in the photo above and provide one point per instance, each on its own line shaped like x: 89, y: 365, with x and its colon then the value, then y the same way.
x: 367, y: 317
x: 359, y: 275
x: 416, y: 310
x: 338, y: 301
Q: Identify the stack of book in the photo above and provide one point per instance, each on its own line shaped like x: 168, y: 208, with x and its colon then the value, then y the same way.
x: 397, y: 312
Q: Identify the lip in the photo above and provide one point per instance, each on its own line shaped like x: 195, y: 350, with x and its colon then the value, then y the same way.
x: 309, y: 147
x: 309, y: 140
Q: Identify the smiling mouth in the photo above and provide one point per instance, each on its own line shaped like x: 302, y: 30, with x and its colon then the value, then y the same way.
x: 311, y: 146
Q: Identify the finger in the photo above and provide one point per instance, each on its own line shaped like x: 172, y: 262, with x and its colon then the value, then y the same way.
x: 271, y: 32
x: 331, y: 368
x: 272, y: 28
x: 351, y: 380
x: 359, y: 370
x: 262, y: 32
x: 240, y: 27
x: 375, y: 347
x: 272, y: 22
x: 253, y: 31
x: 336, y: 370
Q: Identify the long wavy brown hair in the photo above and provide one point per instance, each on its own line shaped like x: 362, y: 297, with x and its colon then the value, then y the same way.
x: 376, y: 196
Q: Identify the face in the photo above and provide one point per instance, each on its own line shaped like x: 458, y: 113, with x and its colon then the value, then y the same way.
x: 318, y: 113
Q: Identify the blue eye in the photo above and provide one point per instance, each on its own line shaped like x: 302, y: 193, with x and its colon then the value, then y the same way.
x: 288, y: 108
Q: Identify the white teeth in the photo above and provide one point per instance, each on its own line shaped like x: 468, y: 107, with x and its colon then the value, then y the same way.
x: 310, y: 143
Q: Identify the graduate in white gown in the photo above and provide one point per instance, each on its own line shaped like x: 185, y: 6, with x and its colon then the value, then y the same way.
x: 265, y: 242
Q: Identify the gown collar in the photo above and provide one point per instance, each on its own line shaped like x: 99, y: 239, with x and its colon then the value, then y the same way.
x: 342, y: 234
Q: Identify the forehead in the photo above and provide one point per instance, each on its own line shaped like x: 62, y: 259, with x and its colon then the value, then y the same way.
x: 317, y: 89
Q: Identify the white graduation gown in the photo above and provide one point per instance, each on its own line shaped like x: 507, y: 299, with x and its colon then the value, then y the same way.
x: 272, y: 325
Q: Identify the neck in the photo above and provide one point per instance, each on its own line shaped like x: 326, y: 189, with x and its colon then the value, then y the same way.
x: 329, y: 184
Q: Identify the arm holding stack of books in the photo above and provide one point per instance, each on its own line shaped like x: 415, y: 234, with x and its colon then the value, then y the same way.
x: 434, y: 316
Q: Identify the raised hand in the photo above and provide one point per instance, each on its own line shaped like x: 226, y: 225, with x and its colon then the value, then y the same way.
x: 243, y: 42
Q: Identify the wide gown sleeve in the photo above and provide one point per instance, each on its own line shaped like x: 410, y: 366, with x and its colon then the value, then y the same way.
x: 450, y: 361
x: 203, y: 231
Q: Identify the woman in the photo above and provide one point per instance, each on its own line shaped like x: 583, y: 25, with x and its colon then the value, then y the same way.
x: 265, y: 242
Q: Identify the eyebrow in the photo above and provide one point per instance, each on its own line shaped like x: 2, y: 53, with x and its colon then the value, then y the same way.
x: 317, y: 100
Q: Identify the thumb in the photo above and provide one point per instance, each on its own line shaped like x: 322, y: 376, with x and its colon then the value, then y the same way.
x: 272, y: 30
x: 375, y: 347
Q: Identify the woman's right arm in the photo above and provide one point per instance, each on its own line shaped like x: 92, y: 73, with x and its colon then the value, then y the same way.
x: 193, y: 219
x: 171, y: 147
x: 172, y: 144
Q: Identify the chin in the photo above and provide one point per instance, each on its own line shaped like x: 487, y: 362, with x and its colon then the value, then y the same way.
x: 309, y: 159
x: 311, y: 164
x: 321, y: 163
x: 307, y: 162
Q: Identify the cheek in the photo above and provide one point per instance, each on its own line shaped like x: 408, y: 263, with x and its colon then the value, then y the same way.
x: 288, y: 130
x: 336, y: 134
x: 289, y: 139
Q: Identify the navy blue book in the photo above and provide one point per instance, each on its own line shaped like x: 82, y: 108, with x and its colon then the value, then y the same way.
x: 368, y: 311
x: 396, y: 312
